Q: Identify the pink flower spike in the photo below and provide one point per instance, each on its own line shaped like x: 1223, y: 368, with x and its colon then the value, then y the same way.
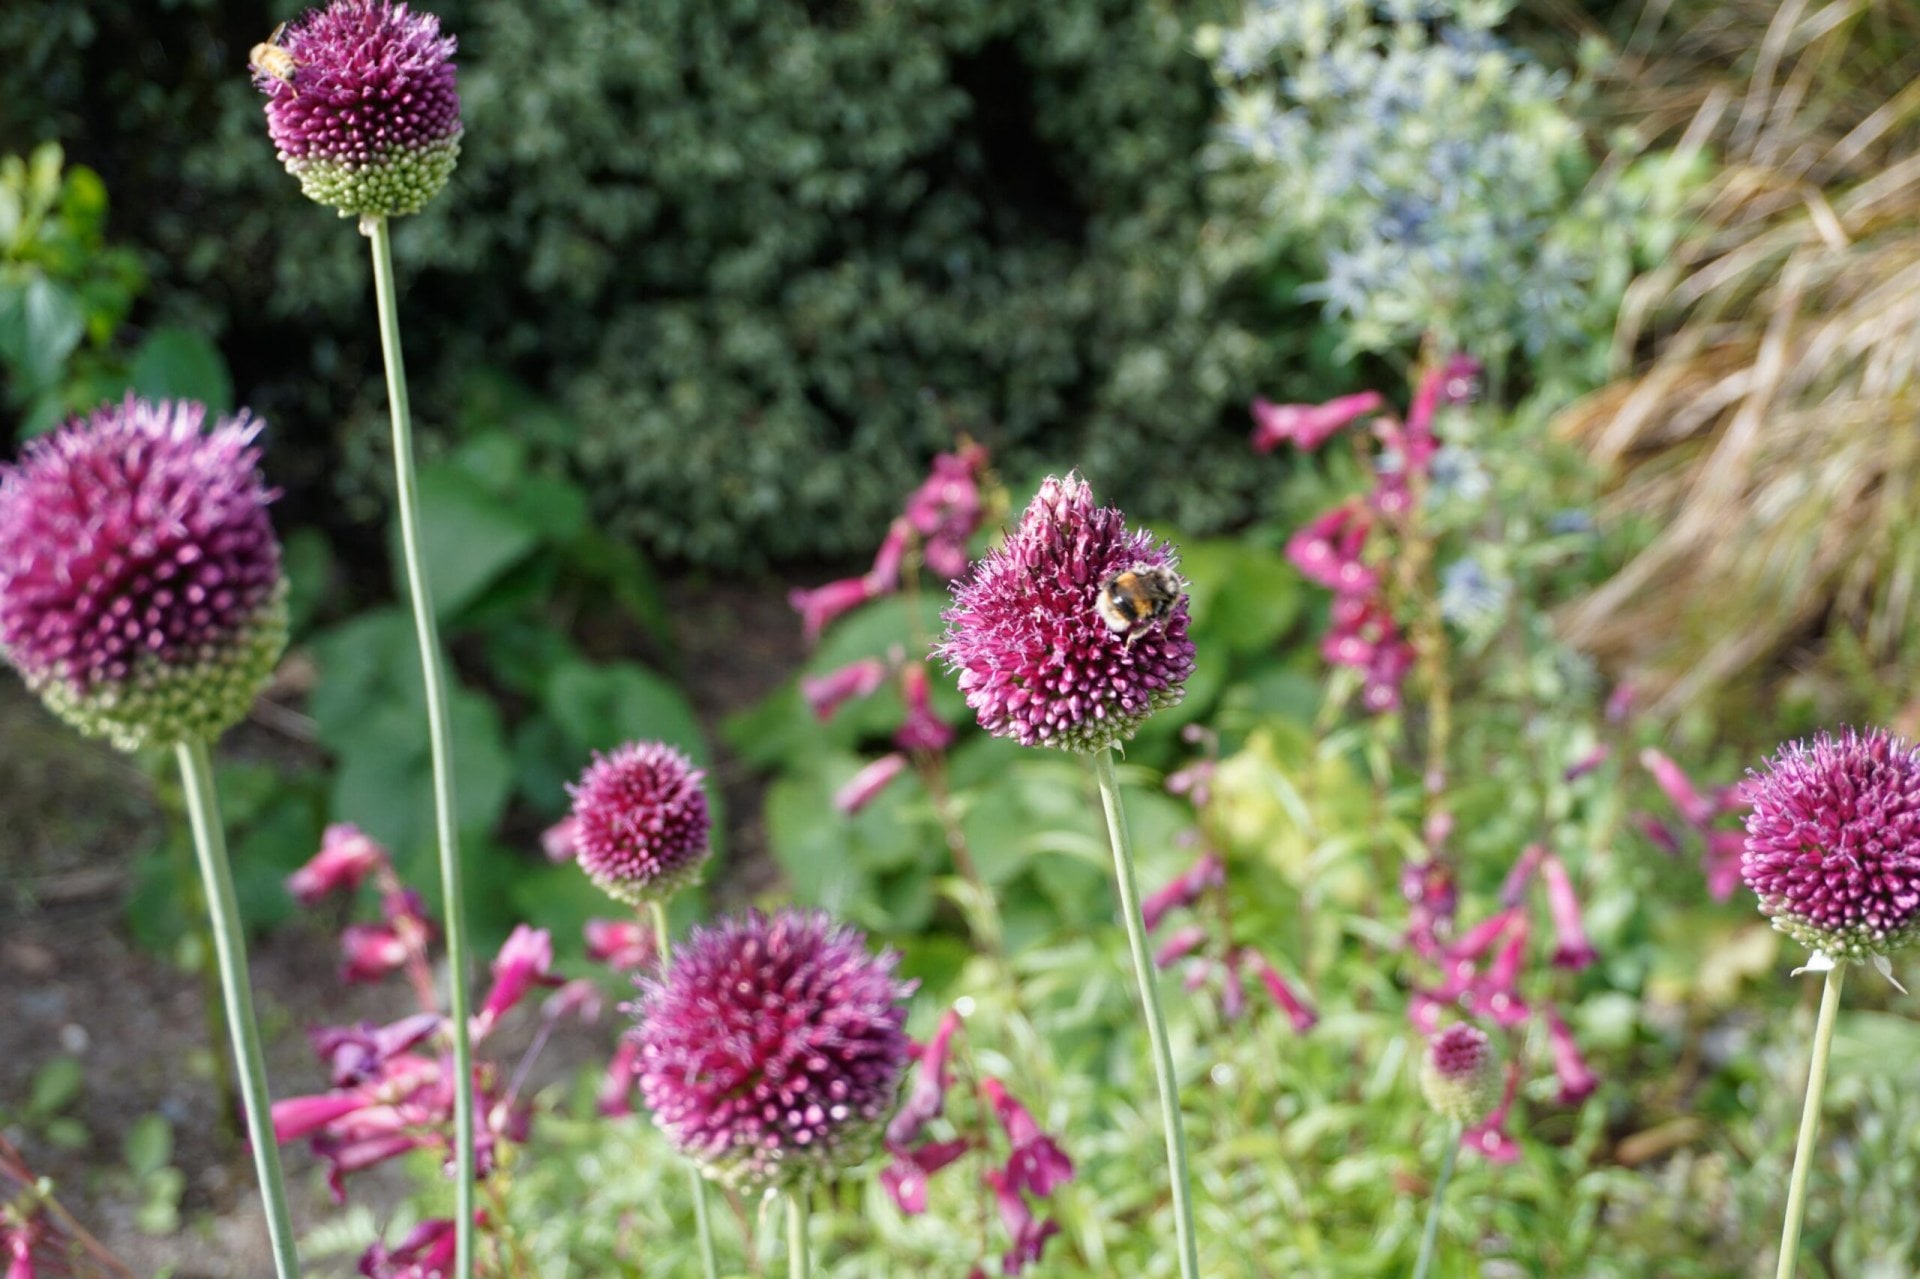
x: 825, y: 694
x: 525, y: 961
x: 1573, y: 951
x: 1498, y: 996
x: 1481, y: 937
x: 1298, y: 1012
x: 1587, y: 763
x: 360, y: 1054
x: 1308, y: 426
x: 372, y: 951
x: 347, y: 856
x: 616, y: 1086
x: 1179, y: 946
x: 561, y: 841
x: 865, y: 786
x: 823, y: 604
x: 1036, y: 1164
x: 1679, y: 788
x: 927, y: 1098
x: 905, y: 1179
x: 923, y: 730
x: 1514, y: 890
x: 620, y: 944
x: 347, y: 1157
x: 426, y: 1253
x: 1577, y: 1080
x: 1328, y: 551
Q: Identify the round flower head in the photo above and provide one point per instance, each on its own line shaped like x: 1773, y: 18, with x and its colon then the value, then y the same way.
x: 640, y: 822
x: 140, y: 586
x: 362, y: 106
x: 1459, y: 1075
x: 1833, y: 843
x: 772, y: 1049
x: 1073, y: 630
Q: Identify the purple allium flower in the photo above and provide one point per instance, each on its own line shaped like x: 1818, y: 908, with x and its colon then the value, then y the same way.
x: 1036, y: 660
x: 773, y: 1048
x: 140, y: 587
x: 1459, y: 1075
x: 368, y: 118
x: 641, y: 822
x: 1833, y: 843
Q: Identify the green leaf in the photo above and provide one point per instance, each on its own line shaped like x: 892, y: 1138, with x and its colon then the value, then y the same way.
x: 148, y: 1146
x: 468, y: 537
x: 176, y: 363
x: 600, y: 707
x: 55, y: 1086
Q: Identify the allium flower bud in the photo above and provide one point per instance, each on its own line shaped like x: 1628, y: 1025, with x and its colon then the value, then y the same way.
x: 140, y: 587
x: 1833, y: 843
x: 1459, y: 1075
x: 366, y: 115
x: 641, y: 822
x: 773, y: 1049
x: 1037, y: 659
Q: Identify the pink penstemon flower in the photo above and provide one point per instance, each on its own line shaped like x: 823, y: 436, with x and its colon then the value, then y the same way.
x: 825, y: 694
x: 1572, y: 950
x: 865, y: 786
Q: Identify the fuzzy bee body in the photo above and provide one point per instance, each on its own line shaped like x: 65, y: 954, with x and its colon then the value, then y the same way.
x: 270, y: 60
x: 1138, y: 599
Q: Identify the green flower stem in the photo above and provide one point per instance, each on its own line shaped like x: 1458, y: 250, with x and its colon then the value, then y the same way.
x: 1429, y: 1242
x: 1170, y: 1122
x: 230, y: 952
x: 1810, y: 1120
x: 799, y: 1255
x: 702, y: 1224
x: 441, y: 735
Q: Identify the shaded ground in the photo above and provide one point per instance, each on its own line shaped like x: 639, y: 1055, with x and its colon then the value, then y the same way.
x: 74, y: 816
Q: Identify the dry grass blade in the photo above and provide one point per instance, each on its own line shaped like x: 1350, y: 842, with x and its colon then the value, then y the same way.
x: 1767, y: 419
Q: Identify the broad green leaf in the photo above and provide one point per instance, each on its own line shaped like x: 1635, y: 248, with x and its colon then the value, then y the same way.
x: 468, y: 537
x: 176, y: 363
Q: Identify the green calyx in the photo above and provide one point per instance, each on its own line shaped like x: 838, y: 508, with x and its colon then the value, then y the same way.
x: 397, y: 184
x: 169, y: 701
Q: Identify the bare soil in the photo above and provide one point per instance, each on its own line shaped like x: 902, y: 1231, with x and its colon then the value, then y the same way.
x: 73, y: 819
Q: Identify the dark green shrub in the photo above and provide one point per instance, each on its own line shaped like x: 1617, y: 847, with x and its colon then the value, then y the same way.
x: 769, y: 254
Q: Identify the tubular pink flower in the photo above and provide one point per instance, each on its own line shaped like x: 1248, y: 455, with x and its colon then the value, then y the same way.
x: 297, y: 1117
x: 1498, y: 995
x: 426, y: 1253
x: 1329, y: 551
x: 347, y: 856
x: 1572, y: 950
x: 1308, y: 426
x: 368, y: 119
x: 1658, y: 833
x: 865, y: 786
x: 823, y: 604
x: 1036, y: 660
x: 615, y: 1096
x: 1833, y: 843
x: 923, y: 729
x: 525, y: 961
x: 371, y: 952
x: 620, y: 944
x: 1459, y: 1074
x: 1725, y: 853
x: 946, y: 509
x: 360, y: 1054
x: 1027, y: 1234
x: 1577, y: 1080
x: 1208, y: 872
x: 560, y: 841
x: 1303, y: 1017
x: 927, y: 1098
x: 641, y: 822
x: 825, y: 694
x: 773, y: 1048
x: 1679, y: 788
x: 1587, y: 763
x: 140, y: 588
x: 1035, y: 1164
x: 905, y: 1179
x: 1490, y: 1136
x: 1182, y: 943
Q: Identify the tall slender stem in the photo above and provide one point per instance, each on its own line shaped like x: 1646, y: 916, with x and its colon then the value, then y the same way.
x: 1810, y: 1120
x: 440, y: 733
x: 702, y: 1223
x: 1429, y: 1242
x: 1170, y: 1122
x: 799, y: 1254
x: 230, y: 952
